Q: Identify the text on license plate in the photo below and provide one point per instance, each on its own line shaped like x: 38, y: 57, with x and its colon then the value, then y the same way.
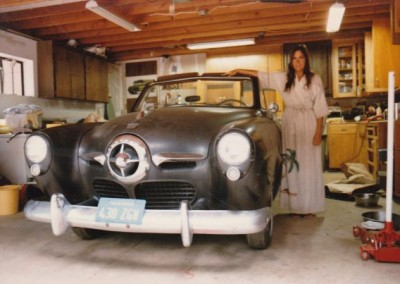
x: 119, y: 210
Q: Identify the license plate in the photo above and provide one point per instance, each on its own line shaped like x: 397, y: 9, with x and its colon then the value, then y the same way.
x: 119, y: 210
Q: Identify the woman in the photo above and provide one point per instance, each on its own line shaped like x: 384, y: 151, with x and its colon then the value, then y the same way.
x: 302, y: 191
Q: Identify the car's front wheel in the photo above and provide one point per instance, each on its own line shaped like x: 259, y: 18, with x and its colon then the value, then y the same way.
x: 261, y: 240
x: 87, y: 234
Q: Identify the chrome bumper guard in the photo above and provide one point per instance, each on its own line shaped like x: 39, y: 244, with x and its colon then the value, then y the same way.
x: 61, y: 214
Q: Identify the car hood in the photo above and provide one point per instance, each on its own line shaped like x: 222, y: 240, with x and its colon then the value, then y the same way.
x: 175, y: 129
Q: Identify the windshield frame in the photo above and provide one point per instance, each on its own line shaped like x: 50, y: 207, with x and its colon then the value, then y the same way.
x: 181, y: 78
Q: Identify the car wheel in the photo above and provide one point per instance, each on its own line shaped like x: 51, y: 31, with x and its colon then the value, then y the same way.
x: 87, y: 234
x: 261, y: 240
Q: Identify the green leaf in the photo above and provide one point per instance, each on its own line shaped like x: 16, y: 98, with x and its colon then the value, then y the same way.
x: 296, y: 164
x: 289, y: 158
x: 290, y: 167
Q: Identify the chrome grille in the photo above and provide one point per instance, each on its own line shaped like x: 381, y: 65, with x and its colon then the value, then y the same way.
x: 165, y: 195
x: 107, y: 188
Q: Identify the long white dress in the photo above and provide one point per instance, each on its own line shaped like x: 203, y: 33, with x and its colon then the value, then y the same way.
x: 301, y: 191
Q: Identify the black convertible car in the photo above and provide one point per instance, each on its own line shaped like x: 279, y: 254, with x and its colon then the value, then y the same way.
x: 198, y: 154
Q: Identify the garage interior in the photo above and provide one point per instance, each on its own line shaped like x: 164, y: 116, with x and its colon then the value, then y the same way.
x: 37, y: 33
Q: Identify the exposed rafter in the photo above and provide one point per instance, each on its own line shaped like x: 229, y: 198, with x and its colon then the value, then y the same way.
x: 167, y: 30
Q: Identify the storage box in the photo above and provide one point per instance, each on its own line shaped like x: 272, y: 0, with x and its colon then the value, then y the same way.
x: 9, y: 198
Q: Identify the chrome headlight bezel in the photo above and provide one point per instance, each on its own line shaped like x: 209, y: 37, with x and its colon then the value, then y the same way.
x: 233, y: 164
x: 36, y: 149
x: 234, y: 148
x: 38, y: 154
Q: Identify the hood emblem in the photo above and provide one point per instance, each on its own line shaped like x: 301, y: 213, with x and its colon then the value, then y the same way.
x: 127, y: 158
x: 122, y: 160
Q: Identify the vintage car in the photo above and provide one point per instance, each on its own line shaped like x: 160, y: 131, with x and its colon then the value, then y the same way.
x: 198, y: 154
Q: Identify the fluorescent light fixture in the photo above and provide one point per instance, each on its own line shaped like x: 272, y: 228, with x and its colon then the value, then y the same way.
x: 335, y: 17
x: 95, y: 8
x: 219, y: 44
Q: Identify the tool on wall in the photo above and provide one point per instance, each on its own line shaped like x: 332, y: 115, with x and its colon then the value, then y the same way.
x: 385, y: 244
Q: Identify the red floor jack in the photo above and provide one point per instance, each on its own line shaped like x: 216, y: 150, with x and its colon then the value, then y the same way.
x: 385, y: 244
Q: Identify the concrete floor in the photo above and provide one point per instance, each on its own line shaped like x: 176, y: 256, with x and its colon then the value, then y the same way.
x: 317, y: 250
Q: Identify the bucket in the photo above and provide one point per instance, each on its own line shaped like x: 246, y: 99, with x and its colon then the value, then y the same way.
x: 9, y: 198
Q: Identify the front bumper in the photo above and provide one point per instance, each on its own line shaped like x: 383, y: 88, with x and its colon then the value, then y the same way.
x: 186, y: 222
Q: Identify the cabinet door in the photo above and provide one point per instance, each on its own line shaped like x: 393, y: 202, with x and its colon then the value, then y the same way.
x: 62, y: 73
x: 45, y: 69
x: 341, y: 143
x: 96, y: 79
x: 340, y: 149
x: 348, y: 69
x: 69, y: 73
x: 381, y: 56
x: 77, y: 67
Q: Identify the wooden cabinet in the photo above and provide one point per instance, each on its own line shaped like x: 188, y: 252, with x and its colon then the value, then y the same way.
x: 96, y: 79
x: 69, y: 74
x: 356, y: 143
x: 348, y: 68
x: 381, y: 56
x: 342, y: 141
x: 45, y: 69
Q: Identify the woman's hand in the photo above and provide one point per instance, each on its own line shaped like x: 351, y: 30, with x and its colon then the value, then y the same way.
x: 243, y: 72
x: 317, y: 139
x: 231, y: 73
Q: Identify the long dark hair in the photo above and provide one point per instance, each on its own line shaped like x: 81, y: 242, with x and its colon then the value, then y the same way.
x: 307, y: 70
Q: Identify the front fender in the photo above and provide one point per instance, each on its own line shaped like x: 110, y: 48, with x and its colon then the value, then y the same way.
x: 259, y: 186
x: 63, y: 173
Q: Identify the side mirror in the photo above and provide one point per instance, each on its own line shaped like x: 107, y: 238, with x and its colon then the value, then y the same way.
x: 273, y: 108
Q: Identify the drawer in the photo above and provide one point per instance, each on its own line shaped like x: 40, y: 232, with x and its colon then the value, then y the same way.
x: 342, y: 129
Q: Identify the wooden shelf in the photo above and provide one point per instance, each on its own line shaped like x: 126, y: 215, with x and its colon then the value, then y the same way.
x: 376, y: 139
x: 348, y: 58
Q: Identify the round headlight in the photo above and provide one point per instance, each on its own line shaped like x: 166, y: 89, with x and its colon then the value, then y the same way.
x: 36, y: 149
x: 234, y: 148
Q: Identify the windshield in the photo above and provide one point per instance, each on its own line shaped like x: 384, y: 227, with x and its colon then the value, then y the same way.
x: 230, y: 92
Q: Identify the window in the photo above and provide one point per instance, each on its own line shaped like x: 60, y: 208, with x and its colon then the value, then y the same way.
x: 11, y: 75
x: 16, y: 76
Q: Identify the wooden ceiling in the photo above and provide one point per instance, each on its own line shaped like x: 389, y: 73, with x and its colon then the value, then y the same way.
x: 168, y: 25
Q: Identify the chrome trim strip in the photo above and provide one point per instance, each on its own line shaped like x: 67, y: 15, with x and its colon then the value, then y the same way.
x: 94, y: 156
x: 158, y: 159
